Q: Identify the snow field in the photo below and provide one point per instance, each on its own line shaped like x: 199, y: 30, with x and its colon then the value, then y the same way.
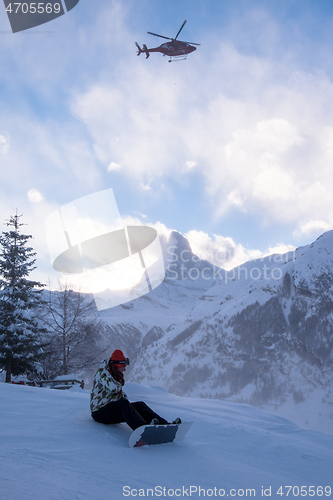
x: 51, y: 449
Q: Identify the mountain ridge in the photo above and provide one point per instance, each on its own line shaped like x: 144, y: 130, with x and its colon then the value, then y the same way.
x: 261, y: 333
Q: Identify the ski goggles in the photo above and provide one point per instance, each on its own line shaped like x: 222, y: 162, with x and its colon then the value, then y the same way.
x: 122, y: 362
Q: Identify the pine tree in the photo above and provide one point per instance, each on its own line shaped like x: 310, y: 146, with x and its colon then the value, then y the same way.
x: 20, y: 299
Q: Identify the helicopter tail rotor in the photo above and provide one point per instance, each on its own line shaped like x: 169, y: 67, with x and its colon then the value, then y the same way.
x: 142, y: 50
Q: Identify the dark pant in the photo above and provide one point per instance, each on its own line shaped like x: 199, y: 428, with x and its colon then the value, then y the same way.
x: 134, y: 414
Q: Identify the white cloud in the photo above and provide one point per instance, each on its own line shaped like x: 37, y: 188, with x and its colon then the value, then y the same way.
x: 280, y: 248
x: 129, y: 220
x: 35, y: 196
x: 143, y: 216
x: 4, y: 144
x: 113, y: 166
x: 273, y: 184
x: 145, y: 187
x: 234, y: 198
x: 225, y: 252
x: 189, y: 165
x: 313, y: 226
x: 266, y: 148
x: 161, y: 229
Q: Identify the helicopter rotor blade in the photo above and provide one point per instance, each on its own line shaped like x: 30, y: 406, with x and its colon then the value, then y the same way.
x: 190, y: 43
x: 182, y: 26
x: 161, y: 36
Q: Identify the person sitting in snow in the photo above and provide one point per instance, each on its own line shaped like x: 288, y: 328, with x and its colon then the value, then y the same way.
x: 108, y: 402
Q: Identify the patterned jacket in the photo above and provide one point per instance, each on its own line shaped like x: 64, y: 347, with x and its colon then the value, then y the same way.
x: 105, y: 388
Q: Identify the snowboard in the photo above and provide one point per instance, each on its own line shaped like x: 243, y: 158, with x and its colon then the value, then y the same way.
x: 158, y: 434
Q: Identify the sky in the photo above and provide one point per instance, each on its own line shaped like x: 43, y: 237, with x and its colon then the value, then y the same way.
x: 232, y: 147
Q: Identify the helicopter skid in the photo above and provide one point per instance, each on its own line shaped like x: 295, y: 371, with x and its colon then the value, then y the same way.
x: 177, y: 58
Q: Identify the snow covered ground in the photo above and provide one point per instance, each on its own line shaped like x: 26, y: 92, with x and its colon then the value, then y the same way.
x: 52, y: 449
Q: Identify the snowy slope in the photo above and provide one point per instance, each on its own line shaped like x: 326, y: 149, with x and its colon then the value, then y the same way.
x: 261, y: 333
x: 52, y: 449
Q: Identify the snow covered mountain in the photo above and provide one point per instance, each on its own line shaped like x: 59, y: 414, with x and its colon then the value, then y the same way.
x: 136, y: 325
x: 261, y: 333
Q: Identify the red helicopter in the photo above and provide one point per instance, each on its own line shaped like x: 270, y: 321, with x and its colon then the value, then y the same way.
x: 175, y: 49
